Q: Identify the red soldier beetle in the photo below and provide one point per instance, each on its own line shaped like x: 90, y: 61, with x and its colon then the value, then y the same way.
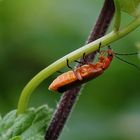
x: 87, y: 71
x: 83, y: 73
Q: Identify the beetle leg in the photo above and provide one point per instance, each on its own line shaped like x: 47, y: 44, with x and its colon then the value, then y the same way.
x: 109, y: 47
x: 78, y: 62
x: 99, y: 47
x: 68, y: 64
x: 59, y: 71
x: 84, y: 58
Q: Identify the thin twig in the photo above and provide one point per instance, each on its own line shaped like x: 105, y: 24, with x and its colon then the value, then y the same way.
x: 69, y: 98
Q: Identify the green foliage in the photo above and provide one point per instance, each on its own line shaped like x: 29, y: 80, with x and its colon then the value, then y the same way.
x: 31, y: 125
x: 36, y: 33
x: 60, y: 63
x: 130, y: 6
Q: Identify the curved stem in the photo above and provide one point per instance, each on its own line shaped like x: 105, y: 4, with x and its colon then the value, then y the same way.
x: 42, y: 75
x: 117, y: 21
x: 69, y: 98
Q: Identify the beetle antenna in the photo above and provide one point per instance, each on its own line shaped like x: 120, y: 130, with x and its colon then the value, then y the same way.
x: 135, y: 53
x: 134, y: 65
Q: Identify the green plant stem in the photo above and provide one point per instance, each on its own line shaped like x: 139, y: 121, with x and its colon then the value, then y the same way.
x: 117, y: 15
x: 42, y: 75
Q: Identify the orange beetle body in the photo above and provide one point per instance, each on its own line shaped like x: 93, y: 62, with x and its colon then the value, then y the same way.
x: 82, y: 74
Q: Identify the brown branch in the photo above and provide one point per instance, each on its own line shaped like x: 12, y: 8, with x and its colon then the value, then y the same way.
x: 68, y: 99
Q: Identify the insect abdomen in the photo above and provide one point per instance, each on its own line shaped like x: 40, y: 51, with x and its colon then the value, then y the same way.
x: 90, y: 73
x: 62, y: 80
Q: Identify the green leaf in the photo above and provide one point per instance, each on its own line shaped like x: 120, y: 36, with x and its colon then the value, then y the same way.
x: 7, y: 120
x: 30, y: 125
x: 130, y: 6
x: 16, y: 138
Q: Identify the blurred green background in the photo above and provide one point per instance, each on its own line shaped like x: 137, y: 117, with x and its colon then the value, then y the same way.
x: 35, y: 33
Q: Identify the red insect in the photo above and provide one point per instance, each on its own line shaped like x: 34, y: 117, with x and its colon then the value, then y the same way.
x: 82, y: 74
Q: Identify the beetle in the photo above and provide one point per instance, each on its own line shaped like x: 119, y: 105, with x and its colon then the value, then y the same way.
x: 83, y: 73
